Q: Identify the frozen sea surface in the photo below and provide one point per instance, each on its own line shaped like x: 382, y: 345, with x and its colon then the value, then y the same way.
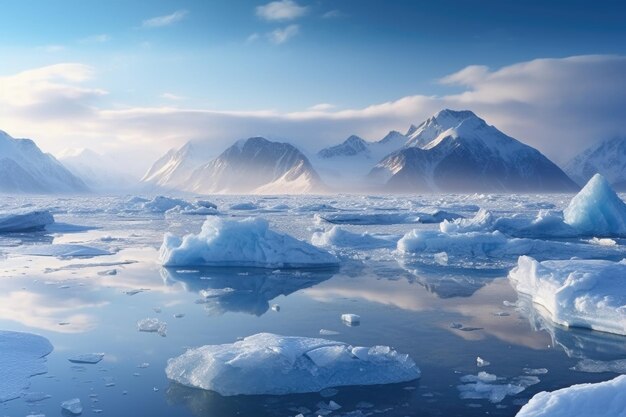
x: 442, y: 308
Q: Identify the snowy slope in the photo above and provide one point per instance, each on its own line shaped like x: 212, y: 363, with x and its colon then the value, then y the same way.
x: 174, y: 169
x: 256, y: 165
x: 458, y: 152
x: 349, y: 162
x: 24, y: 168
x: 99, y: 172
x: 607, y: 158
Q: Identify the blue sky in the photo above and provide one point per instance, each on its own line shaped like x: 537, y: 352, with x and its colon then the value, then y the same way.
x: 284, y: 56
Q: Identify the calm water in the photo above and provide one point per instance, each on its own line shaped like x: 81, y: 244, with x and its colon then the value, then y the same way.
x: 405, y: 304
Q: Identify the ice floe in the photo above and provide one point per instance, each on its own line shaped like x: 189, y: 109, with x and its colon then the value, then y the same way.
x: 25, y: 221
x: 87, y: 358
x: 152, y: 325
x: 22, y: 355
x: 73, y: 406
x: 246, y: 243
x: 370, y: 218
x: 583, y: 400
x: 342, y: 238
x: 271, y: 364
x: 576, y: 293
x: 486, y: 386
x: 63, y: 250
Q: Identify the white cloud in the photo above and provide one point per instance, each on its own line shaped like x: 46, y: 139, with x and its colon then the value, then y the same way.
x: 101, y: 38
x: 332, y: 14
x: 172, y: 96
x: 282, y: 35
x: 281, y: 10
x: 322, y: 107
x: 52, y: 49
x: 556, y: 105
x: 253, y: 37
x: 166, y: 20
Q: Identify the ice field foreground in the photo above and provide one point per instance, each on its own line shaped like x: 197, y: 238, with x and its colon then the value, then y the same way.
x: 92, y: 283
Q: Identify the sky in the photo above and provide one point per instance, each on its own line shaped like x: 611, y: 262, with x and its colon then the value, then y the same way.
x: 134, y: 79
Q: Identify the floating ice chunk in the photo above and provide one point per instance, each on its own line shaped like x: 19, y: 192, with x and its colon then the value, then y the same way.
x: 339, y: 237
x: 22, y: 355
x: 603, y: 241
x: 369, y: 218
x: 275, y: 307
x: 583, y: 400
x: 535, y: 371
x: 152, y: 326
x: 247, y: 242
x: 597, y: 210
x: 270, y: 364
x: 72, y: 406
x: 87, y: 358
x: 617, y: 366
x: 25, y: 221
x: 324, y: 332
x: 480, y: 362
x: 244, y: 206
x: 63, y: 251
x: 576, y: 293
x: 161, y: 204
x: 490, y: 387
x: 441, y: 258
x: 351, y: 319
x: 35, y: 397
x: 482, y: 221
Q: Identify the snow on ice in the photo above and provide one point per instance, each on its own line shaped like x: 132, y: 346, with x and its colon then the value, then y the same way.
x: 339, y: 237
x: 248, y: 242
x: 271, y: 364
x: 576, y: 293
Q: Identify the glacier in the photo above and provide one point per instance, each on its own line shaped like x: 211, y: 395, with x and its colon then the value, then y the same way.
x: 22, y: 355
x: 267, y: 363
x: 248, y: 243
x: 582, y: 400
x: 576, y: 293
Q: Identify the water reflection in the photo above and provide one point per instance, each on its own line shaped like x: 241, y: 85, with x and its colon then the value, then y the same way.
x: 242, y: 290
x: 395, y: 399
x: 577, y: 343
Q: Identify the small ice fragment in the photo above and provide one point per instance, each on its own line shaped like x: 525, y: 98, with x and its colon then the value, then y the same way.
x: 351, y: 319
x: 455, y: 325
x: 509, y: 303
x: 480, y: 362
x: 72, y: 406
x: 152, y: 325
x: 143, y: 365
x: 133, y: 292
x: 35, y: 397
x: 331, y: 406
x: 329, y: 392
x: 87, y: 358
x: 275, y: 307
x: 179, y: 315
x: 155, y: 389
x: 441, y: 258
x: 108, y: 272
x: 325, y: 332
x: 535, y: 371
x: 501, y: 314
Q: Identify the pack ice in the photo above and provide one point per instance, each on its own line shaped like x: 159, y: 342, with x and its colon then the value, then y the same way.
x: 339, y: 237
x: 576, y: 293
x: 25, y: 221
x: 266, y: 363
x: 583, y: 400
x: 248, y: 242
x: 22, y: 355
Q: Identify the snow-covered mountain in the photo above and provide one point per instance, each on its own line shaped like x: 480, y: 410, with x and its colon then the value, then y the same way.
x: 607, y: 158
x: 349, y: 162
x: 456, y: 151
x: 24, y: 168
x: 257, y: 165
x: 99, y: 172
x: 174, y: 169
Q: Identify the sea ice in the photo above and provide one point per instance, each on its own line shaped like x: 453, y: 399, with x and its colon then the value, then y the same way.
x: 63, y: 250
x: 72, y: 406
x: 244, y: 206
x: 151, y: 325
x: 490, y: 387
x: 597, y: 210
x: 25, y: 221
x: 161, y: 204
x: 583, y: 400
x: 87, y: 358
x: 248, y: 242
x: 22, y: 355
x: 576, y: 293
x: 369, y: 218
x: 339, y: 237
x: 270, y: 364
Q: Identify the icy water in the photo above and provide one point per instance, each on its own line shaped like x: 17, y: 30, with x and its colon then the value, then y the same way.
x: 444, y: 317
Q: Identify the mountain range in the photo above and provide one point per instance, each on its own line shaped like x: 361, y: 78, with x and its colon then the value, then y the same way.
x: 607, y: 157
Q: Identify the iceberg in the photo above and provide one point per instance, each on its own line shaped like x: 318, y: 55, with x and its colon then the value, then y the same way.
x: 22, y: 355
x: 266, y: 363
x: 339, y: 237
x: 244, y: 243
x: 25, y: 221
x: 583, y: 400
x: 597, y: 210
x: 576, y: 293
